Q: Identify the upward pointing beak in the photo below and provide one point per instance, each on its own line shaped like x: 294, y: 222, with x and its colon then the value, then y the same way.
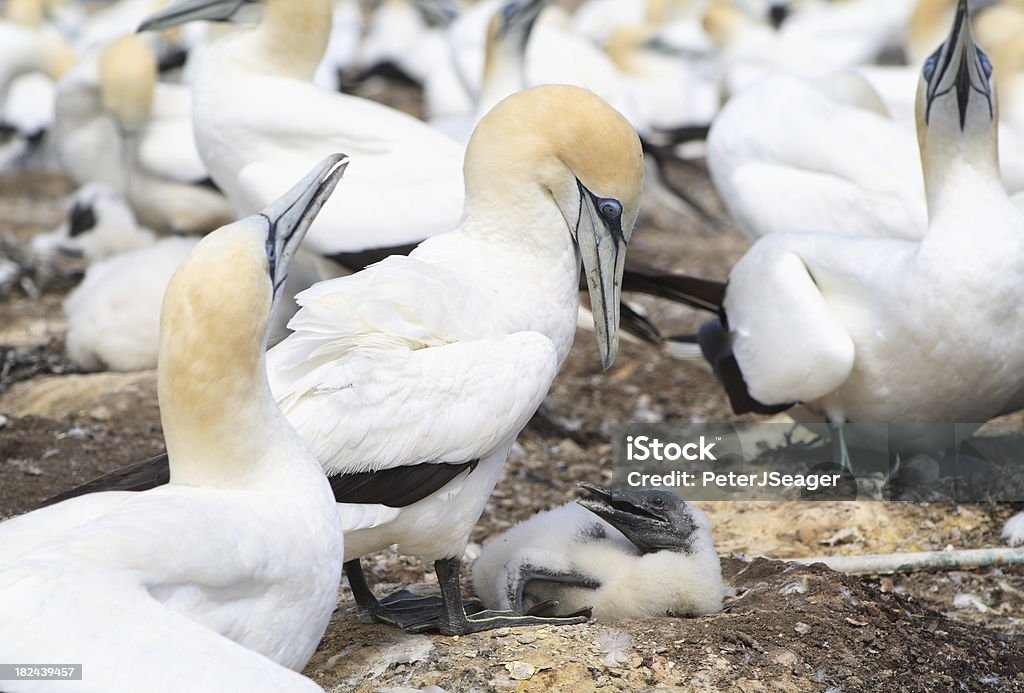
x: 602, y: 247
x: 191, y: 11
x: 291, y: 215
x: 959, y: 68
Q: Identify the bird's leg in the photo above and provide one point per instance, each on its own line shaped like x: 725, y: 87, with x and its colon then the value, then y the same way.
x: 455, y: 621
x: 840, y: 454
x: 402, y: 609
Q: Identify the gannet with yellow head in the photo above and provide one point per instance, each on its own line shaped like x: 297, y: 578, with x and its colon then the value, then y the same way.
x: 892, y: 331
x: 259, y: 122
x: 118, y: 125
x: 242, y: 550
x: 439, y: 359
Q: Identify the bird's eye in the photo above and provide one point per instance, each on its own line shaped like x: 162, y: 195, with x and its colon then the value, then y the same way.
x: 657, y: 502
x: 986, y: 64
x: 610, y: 209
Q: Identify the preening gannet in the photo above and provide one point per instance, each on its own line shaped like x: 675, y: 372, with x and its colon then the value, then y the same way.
x: 242, y: 549
x: 447, y: 353
x: 884, y: 330
x: 621, y: 554
x: 793, y: 153
x: 259, y: 122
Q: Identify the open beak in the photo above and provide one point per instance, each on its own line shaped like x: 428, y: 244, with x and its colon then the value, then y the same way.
x: 602, y: 247
x: 959, y: 67
x: 290, y: 216
x: 191, y: 11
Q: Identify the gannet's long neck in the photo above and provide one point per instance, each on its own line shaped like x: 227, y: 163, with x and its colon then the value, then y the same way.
x: 951, y: 172
x: 522, y: 248
x: 292, y: 38
x: 504, y: 65
x: 221, y: 425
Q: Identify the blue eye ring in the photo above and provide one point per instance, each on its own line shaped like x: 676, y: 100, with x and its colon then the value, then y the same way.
x: 610, y: 209
x: 986, y: 64
x: 929, y: 66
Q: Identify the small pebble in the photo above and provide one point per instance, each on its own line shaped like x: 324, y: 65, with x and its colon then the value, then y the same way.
x: 520, y: 671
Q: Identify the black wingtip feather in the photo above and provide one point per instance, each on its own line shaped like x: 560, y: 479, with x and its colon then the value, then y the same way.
x: 140, y: 476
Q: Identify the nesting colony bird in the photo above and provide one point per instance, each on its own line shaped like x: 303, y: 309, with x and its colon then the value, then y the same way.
x: 259, y: 122
x: 242, y: 549
x: 99, y: 224
x: 792, y: 153
x: 114, y: 314
x: 620, y: 554
x: 118, y: 125
x: 447, y: 353
x: 885, y: 330
x: 33, y: 56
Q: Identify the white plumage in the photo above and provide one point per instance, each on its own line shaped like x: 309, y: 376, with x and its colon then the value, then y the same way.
x: 260, y: 123
x: 578, y: 559
x: 794, y: 154
x: 242, y: 549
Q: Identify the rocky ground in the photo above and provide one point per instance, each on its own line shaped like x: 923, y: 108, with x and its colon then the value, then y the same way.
x: 785, y: 628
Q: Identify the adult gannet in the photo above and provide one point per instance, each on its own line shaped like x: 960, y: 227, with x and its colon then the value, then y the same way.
x: 795, y: 153
x: 116, y: 124
x: 33, y: 56
x: 820, y: 39
x: 447, y: 353
x: 884, y: 330
x: 259, y: 122
x: 149, y: 590
x: 621, y: 554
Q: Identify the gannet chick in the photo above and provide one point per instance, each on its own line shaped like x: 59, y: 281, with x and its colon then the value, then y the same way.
x: 645, y: 554
x: 242, y: 548
x: 114, y: 314
x: 99, y: 224
x: 259, y: 122
x: 447, y: 353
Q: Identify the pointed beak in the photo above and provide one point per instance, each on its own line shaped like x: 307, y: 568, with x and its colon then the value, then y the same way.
x: 191, y: 11
x: 518, y: 18
x: 621, y: 509
x: 959, y: 67
x: 602, y: 245
x: 291, y: 215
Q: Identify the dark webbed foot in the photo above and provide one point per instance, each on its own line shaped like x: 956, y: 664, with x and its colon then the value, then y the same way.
x: 454, y: 620
x: 403, y: 609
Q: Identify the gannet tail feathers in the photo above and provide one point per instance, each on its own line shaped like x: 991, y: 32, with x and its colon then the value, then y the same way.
x: 702, y: 294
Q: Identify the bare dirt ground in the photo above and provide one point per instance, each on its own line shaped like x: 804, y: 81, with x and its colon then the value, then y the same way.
x: 786, y: 628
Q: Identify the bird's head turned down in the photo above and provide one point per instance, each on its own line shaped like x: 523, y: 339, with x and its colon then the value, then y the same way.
x: 588, y: 158
x: 957, y: 110
x: 217, y: 307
